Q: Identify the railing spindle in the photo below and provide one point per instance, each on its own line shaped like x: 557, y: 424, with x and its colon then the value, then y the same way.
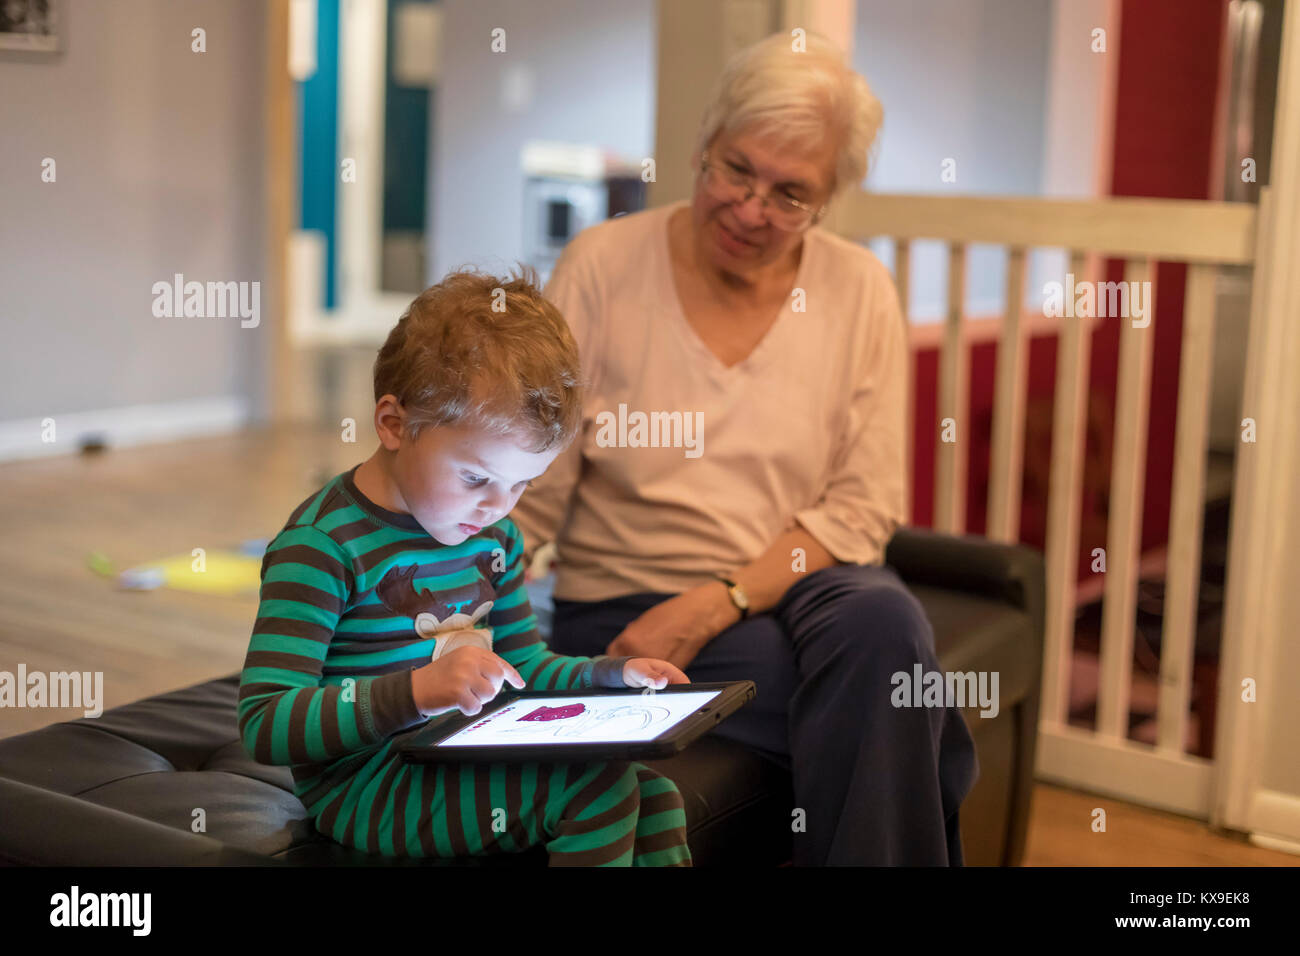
x: 1064, y: 501
x: 1006, y: 461
x: 1124, y: 523
x: 954, y: 378
x: 1187, y: 510
x: 902, y: 282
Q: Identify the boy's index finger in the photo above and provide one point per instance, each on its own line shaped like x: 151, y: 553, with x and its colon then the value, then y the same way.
x: 512, y: 675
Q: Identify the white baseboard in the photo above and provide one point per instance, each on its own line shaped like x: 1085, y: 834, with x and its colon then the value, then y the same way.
x: 122, y: 427
x: 1274, y: 819
x: 1275, y: 843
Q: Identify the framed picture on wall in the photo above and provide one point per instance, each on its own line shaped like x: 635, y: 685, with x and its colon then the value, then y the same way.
x: 31, y: 25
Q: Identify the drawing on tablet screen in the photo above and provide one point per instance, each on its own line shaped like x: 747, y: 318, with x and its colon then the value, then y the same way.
x: 577, y: 720
x: 554, y: 713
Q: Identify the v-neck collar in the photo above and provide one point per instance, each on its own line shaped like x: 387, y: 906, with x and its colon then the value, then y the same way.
x: 764, y: 351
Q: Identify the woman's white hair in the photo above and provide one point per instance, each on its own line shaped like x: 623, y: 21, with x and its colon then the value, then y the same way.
x: 797, y: 97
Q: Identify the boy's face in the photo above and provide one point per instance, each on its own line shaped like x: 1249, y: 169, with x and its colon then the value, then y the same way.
x: 456, y: 480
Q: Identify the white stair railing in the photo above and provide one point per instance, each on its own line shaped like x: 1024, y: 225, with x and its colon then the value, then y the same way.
x: 1142, y: 232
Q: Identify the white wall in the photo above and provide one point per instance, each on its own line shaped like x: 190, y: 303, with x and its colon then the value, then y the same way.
x: 967, y: 80
x: 159, y: 164
x: 1079, y: 111
x: 591, y: 68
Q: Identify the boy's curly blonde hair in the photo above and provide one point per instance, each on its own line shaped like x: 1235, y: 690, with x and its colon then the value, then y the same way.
x: 485, y: 351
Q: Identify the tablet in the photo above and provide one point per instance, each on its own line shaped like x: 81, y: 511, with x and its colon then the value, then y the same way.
x: 622, y: 724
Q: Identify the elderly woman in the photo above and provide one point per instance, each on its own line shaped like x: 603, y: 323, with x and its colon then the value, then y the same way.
x: 740, y: 532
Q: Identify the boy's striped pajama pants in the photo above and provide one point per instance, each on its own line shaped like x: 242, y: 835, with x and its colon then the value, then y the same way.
x: 614, y: 813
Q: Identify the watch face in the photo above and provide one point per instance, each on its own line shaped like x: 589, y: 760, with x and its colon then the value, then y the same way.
x: 738, y: 596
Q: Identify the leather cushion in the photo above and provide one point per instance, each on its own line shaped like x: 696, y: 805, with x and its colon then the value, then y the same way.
x: 199, y: 762
x: 974, y: 633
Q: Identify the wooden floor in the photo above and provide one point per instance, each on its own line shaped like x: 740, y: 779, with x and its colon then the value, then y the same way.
x: 138, y: 505
x: 1060, y: 834
x: 142, y: 504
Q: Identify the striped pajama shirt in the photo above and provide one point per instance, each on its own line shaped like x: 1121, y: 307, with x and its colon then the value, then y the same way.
x: 354, y: 598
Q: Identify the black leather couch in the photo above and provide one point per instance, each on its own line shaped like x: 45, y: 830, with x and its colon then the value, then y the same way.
x: 122, y: 788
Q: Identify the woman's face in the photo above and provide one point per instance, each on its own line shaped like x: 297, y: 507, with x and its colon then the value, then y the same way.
x: 736, y: 237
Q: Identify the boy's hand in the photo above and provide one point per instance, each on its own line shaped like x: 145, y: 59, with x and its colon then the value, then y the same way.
x: 463, y: 679
x: 648, y: 672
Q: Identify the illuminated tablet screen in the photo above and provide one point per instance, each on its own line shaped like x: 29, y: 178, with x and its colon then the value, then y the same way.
x: 577, y: 719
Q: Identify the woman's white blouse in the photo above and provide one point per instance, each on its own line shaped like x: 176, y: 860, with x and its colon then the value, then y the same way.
x: 685, y: 468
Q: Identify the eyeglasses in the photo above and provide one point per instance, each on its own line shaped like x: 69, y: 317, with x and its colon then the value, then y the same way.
x: 728, y: 184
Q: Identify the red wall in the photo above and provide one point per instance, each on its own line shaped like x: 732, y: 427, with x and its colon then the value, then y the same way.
x: 1167, y: 82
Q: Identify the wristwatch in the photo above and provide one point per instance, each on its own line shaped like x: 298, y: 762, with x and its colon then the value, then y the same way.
x: 737, y: 595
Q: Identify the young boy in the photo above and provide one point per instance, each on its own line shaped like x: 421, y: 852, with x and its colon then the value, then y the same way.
x: 395, y: 594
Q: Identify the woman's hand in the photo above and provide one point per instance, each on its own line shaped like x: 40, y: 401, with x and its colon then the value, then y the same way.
x: 677, y: 629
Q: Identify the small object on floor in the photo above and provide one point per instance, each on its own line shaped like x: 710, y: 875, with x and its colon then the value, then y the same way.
x: 92, y: 444
x: 141, y: 579
x: 225, y: 573
x: 100, y: 564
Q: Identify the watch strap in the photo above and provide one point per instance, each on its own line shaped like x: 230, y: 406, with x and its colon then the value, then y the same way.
x: 732, y: 588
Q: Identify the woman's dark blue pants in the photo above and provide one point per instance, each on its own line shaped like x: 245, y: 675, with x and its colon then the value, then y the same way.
x: 878, y: 784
